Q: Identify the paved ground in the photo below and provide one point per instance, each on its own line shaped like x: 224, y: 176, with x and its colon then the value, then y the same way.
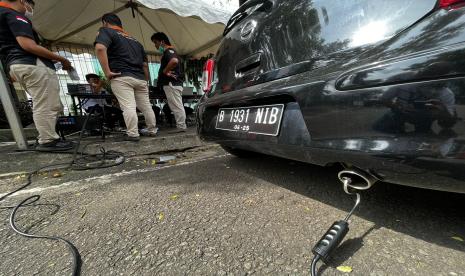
x: 209, y: 213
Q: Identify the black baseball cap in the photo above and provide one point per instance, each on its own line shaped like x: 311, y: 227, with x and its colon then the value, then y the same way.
x: 92, y: 76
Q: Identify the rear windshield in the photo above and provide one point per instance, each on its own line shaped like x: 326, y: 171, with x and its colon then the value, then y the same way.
x: 361, y: 22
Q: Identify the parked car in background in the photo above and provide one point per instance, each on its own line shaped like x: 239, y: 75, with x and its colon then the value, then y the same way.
x: 378, y: 85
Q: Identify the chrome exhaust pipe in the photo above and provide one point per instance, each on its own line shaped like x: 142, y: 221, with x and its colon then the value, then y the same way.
x: 357, y: 179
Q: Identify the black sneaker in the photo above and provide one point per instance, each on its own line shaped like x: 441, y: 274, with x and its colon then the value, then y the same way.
x: 132, y: 138
x: 56, y: 145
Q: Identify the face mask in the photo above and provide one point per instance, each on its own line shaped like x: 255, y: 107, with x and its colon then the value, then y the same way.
x: 28, y: 14
x: 161, y: 49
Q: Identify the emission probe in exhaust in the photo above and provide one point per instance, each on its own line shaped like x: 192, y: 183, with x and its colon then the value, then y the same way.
x: 336, y: 233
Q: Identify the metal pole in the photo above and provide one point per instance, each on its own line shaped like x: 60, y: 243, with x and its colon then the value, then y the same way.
x: 146, y: 20
x: 11, y: 113
x: 90, y: 24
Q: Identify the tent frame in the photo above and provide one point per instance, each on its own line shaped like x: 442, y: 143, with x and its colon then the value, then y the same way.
x: 11, y: 112
x: 135, y: 7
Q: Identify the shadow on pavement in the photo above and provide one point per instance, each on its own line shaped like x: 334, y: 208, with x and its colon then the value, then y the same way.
x: 432, y: 216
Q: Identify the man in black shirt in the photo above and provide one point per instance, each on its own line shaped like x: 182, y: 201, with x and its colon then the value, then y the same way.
x: 33, y: 67
x: 124, y: 62
x: 170, y: 78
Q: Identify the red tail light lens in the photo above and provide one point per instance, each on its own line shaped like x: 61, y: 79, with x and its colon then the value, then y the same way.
x: 448, y: 3
x: 208, y: 74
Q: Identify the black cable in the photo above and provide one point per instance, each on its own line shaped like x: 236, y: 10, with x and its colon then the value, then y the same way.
x: 76, y: 256
x: 315, y: 260
x: 76, y: 264
x: 104, y: 159
x: 85, y: 161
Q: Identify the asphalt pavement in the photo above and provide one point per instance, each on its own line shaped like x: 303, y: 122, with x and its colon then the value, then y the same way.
x: 209, y: 213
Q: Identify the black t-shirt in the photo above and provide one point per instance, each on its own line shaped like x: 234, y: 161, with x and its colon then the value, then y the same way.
x: 163, y: 79
x: 125, y: 54
x: 12, y: 25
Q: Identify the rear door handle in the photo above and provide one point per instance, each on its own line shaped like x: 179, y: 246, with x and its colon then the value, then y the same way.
x: 246, y: 66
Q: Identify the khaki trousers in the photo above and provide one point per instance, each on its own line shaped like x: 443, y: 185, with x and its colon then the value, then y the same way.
x: 174, y: 97
x: 131, y: 94
x: 41, y: 83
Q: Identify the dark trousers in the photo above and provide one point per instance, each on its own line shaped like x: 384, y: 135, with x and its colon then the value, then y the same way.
x: 112, y: 114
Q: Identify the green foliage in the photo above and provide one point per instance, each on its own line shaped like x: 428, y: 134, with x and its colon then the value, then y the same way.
x: 106, y: 83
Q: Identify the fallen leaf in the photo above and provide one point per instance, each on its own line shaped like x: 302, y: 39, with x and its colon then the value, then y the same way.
x: 154, y: 162
x: 307, y: 209
x: 249, y: 201
x: 57, y: 174
x: 161, y: 216
x: 174, y: 197
x: 345, y: 269
x: 458, y: 239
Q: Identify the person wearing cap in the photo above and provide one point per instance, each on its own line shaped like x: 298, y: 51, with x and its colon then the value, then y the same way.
x: 170, y: 78
x: 124, y: 62
x: 112, y: 114
x: 33, y: 67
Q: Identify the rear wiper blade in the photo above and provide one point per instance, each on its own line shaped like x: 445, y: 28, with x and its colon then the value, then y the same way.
x: 241, y: 14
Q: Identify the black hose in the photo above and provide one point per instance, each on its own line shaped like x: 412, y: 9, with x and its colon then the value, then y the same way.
x: 85, y: 161
x: 76, y: 256
x: 29, y: 179
x: 313, y: 270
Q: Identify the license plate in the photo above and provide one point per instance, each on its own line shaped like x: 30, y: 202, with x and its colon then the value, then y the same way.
x: 265, y: 120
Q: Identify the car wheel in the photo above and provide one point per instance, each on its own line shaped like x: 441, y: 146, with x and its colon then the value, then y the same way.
x: 240, y: 152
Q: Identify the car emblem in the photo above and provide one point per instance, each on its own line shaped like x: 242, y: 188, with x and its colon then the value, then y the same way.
x: 248, y: 29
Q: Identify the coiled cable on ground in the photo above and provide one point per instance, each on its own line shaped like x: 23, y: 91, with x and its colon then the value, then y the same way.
x: 80, y: 161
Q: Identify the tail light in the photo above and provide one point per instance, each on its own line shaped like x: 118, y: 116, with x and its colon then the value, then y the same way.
x: 448, y: 3
x: 208, y: 74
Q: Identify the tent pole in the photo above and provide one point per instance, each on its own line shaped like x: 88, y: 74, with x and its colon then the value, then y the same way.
x: 83, y: 27
x: 206, y: 46
x: 12, y: 115
x: 147, y: 20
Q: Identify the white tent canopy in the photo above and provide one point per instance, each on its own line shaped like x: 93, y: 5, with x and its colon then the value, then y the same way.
x: 193, y: 26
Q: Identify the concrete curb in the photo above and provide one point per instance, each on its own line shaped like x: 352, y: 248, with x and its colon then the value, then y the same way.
x: 28, y: 161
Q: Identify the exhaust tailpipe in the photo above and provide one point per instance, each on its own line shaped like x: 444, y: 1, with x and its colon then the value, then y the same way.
x: 357, y: 179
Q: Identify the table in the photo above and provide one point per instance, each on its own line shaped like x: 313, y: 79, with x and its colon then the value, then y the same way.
x: 152, y: 95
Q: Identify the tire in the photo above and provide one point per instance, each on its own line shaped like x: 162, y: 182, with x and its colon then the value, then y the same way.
x: 240, y: 152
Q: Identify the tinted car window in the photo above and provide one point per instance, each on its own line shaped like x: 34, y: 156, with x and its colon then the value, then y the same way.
x: 361, y: 22
x: 293, y: 36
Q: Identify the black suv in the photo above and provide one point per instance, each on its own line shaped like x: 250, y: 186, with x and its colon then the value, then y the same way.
x: 372, y: 84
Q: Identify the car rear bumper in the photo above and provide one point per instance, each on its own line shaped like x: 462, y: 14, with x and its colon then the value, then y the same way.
x: 418, y: 160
